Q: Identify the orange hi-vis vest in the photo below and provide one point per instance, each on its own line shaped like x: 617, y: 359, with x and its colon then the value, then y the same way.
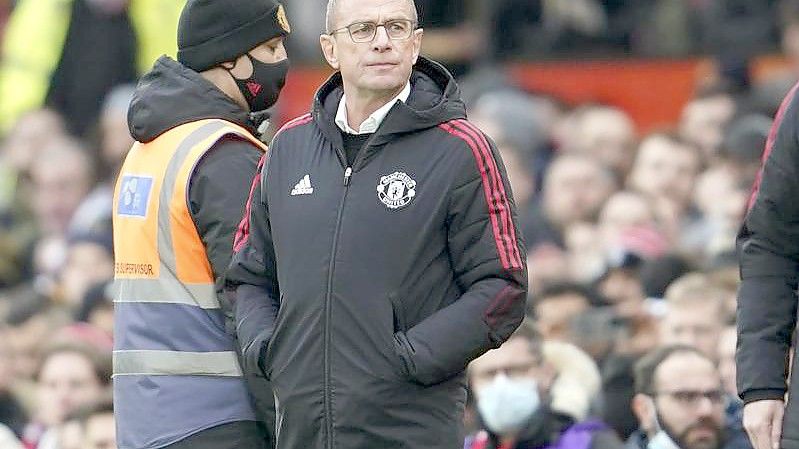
x: 176, y: 371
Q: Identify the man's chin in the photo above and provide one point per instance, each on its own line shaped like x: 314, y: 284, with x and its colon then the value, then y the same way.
x: 702, y: 440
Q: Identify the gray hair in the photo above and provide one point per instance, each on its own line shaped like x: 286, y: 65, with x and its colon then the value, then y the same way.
x: 331, y: 12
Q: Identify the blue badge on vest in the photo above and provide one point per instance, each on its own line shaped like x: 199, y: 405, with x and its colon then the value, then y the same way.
x: 134, y: 196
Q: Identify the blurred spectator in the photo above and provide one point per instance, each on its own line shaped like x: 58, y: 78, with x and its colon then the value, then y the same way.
x: 556, y: 305
x: 98, y: 426
x: 97, y: 308
x: 533, y: 394
x: 694, y: 314
x: 62, y: 176
x: 627, y: 223
x: 658, y: 274
x: 665, y: 170
x: 704, y: 120
x: 606, y: 133
x: 547, y: 264
x: 70, y: 376
x: 721, y: 200
x: 90, y: 259
x: 524, y: 29
x: 70, y: 432
x: 94, y: 212
x: 574, y: 190
x: 12, y: 415
x: 90, y: 46
x: 743, y: 145
x: 679, y: 401
x: 450, y: 33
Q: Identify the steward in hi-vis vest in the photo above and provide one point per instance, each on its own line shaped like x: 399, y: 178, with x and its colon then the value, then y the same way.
x: 178, y: 203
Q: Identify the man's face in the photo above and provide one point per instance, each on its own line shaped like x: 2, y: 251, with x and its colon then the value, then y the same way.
x: 269, y: 52
x: 689, y: 401
x: 67, y: 381
x: 574, y: 190
x: 554, y: 314
x: 609, y: 135
x: 703, y: 122
x: 664, y: 169
x: 87, y: 264
x: 59, y: 188
x: 100, y: 432
x: 697, y: 325
x: 378, y: 67
x: 513, y: 359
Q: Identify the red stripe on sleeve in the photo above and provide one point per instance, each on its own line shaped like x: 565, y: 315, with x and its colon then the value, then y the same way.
x: 243, y: 231
x: 503, y: 203
x: 772, y: 136
x: 493, y: 211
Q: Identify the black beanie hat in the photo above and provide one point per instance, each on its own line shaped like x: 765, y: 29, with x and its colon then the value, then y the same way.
x: 211, y: 32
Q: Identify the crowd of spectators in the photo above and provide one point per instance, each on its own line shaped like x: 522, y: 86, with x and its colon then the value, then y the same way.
x: 630, y: 235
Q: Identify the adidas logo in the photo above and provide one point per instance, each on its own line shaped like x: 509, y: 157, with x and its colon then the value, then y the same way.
x: 303, y: 187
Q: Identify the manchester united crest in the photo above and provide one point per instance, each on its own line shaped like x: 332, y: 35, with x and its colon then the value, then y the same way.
x: 396, y: 190
x: 282, y: 19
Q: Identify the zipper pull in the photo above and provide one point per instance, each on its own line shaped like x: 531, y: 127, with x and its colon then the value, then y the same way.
x: 347, y: 176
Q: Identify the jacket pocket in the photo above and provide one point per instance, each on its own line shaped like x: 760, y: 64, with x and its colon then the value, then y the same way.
x: 398, y: 313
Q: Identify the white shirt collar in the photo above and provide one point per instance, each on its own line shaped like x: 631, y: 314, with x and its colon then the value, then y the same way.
x: 372, y: 122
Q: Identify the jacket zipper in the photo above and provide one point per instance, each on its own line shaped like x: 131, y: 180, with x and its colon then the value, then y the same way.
x: 328, y: 298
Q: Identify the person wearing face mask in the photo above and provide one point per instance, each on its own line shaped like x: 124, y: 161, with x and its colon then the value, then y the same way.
x: 521, y: 404
x: 679, y: 401
x: 178, y: 382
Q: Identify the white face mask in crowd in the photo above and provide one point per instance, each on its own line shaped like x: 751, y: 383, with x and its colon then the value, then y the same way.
x: 506, y: 404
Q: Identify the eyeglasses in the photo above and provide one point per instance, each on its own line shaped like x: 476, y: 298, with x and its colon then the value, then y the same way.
x: 397, y: 30
x: 692, y: 397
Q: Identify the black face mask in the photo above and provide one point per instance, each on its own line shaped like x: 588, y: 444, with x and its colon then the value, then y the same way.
x: 262, y: 88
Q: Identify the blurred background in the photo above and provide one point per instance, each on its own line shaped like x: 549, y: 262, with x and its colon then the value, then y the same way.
x: 632, y: 133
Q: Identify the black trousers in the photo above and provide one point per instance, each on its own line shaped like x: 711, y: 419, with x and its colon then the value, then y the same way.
x: 235, y: 435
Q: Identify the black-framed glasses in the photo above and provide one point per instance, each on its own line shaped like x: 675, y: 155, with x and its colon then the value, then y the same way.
x: 692, y: 397
x: 397, y: 29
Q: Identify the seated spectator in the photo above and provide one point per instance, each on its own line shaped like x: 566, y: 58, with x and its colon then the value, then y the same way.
x: 556, y: 305
x: 575, y: 188
x: 694, y: 314
x: 97, y: 308
x: 90, y: 259
x: 605, y: 133
x: 704, y: 120
x: 529, y: 397
x: 665, y: 170
x: 70, y: 376
x: 62, y: 176
x: 679, y: 401
x: 98, y: 426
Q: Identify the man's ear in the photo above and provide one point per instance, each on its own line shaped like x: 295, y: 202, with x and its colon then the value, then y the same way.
x: 417, y: 44
x: 329, y: 50
x: 644, y: 410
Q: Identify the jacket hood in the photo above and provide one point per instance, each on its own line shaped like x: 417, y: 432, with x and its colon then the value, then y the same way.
x: 171, y: 95
x: 435, y: 99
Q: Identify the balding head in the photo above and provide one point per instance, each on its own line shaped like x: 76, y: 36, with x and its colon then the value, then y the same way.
x: 332, y: 9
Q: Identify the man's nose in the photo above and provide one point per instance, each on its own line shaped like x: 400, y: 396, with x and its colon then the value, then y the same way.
x: 381, y: 41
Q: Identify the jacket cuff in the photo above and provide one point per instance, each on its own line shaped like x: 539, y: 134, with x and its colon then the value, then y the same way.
x: 763, y: 394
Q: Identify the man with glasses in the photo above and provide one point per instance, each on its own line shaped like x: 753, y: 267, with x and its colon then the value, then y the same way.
x: 679, y: 401
x: 382, y: 251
